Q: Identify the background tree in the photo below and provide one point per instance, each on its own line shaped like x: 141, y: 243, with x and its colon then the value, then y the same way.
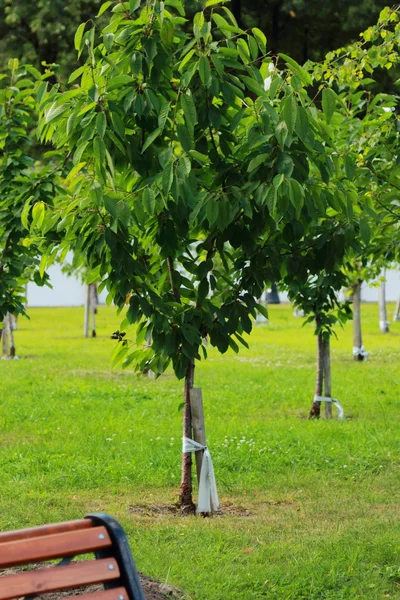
x: 22, y: 182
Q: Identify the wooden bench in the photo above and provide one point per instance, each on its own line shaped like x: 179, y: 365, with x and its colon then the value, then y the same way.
x: 97, y: 534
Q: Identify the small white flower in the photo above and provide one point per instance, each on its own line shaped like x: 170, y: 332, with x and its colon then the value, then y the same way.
x: 268, y: 80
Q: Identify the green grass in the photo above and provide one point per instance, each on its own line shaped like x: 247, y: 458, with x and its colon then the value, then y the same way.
x: 311, y: 509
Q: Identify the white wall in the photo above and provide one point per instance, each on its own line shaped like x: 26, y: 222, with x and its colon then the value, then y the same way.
x: 68, y: 291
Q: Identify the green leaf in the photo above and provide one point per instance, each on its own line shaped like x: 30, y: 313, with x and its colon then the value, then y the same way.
x: 150, y: 139
x: 328, y: 103
x: 38, y: 212
x: 167, y: 178
x: 99, y: 151
x: 104, y: 7
x: 289, y: 113
x: 136, y: 63
x: 244, y: 51
x: 296, y: 69
x: 365, y: 231
x: 79, y: 152
x: 110, y: 205
x: 133, y: 5
x: 108, y: 39
x: 203, y: 290
x: 75, y: 74
x: 281, y: 133
x: 205, y: 71
x: 55, y: 111
x: 260, y: 39
x: 101, y: 124
x: 79, y: 36
x: 163, y: 115
x: 186, y: 59
x: 349, y: 167
x: 25, y: 212
x: 212, y: 211
x: 149, y: 201
x: 189, y: 110
x: 257, y: 161
x: 177, y: 5
x: 262, y: 310
x: 167, y: 32
x: 185, y: 137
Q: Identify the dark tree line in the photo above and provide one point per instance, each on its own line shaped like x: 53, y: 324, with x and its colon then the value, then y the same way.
x: 42, y: 32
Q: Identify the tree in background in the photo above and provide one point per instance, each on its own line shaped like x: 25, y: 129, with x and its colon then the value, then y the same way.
x: 43, y: 32
x: 22, y: 182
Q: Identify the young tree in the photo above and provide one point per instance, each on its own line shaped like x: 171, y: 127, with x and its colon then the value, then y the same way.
x: 22, y: 182
x: 364, y: 128
x: 192, y: 186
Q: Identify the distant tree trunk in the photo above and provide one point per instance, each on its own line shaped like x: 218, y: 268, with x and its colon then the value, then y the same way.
x: 11, y: 336
x: 383, y: 322
x: 396, y: 316
x: 273, y: 296
x: 315, y: 411
x: 357, y: 336
x: 4, y: 338
x: 87, y: 313
x: 90, y: 310
x: 7, y: 337
x: 93, y: 306
x: 327, y: 377
x: 185, y: 496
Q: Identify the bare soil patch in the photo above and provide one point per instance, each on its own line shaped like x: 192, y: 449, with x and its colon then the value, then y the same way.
x: 175, y: 511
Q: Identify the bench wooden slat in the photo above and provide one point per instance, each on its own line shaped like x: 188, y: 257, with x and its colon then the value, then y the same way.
x: 58, y: 578
x: 53, y: 546
x: 24, y: 534
x: 114, y: 594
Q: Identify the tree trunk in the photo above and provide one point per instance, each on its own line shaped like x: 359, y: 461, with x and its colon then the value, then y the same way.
x: 4, y: 338
x: 185, y: 496
x: 87, y: 312
x: 273, y: 296
x: 383, y: 322
x: 327, y: 377
x: 357, y: 336
x: 315, y: 411
x: 11, y: 336
x: 396, y: 316
x: 93, y: 306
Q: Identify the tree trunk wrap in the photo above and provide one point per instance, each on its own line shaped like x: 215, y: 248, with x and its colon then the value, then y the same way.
x: 185, y: 496
x: 357, y: 335
x: 383, y: 322
x: 315, y: 411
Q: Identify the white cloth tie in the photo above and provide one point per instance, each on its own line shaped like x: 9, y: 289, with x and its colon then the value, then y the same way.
x: 361, y: 351
x: 208, y: 496
x: 334, y: 401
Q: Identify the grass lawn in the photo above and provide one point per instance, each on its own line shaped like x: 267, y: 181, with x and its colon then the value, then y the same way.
x: 311, y: 510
